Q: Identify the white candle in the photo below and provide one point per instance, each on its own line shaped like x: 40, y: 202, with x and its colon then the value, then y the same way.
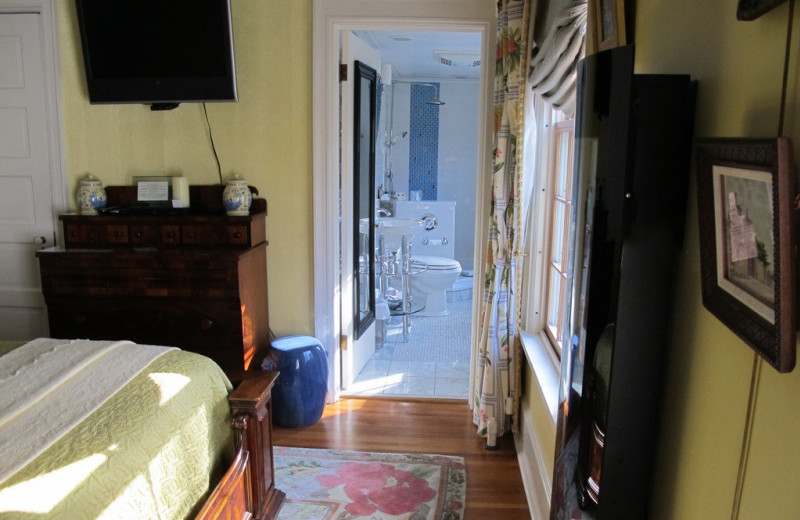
x: 180, y: 192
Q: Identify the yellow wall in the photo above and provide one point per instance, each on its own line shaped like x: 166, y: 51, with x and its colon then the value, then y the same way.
x: 739, y: 68
x: 266, y: 137
x: 543, y: 424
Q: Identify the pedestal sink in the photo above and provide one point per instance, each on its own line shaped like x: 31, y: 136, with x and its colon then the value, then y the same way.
x: 393, y: 230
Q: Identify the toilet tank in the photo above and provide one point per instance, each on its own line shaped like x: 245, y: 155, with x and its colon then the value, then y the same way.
x: 441, y: 240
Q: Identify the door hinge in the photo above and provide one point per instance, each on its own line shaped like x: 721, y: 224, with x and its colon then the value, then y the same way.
x: 342, y: 342
x: 343, y: 72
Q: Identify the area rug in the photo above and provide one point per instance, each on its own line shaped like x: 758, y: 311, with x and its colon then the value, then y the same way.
x: 354, y: 485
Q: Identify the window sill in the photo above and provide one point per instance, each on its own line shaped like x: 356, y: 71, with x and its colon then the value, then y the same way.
x: 545, y: 369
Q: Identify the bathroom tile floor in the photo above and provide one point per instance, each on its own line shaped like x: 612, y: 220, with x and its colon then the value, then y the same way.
x: 434, y: 362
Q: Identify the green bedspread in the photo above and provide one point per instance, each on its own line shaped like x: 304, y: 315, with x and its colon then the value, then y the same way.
x: 8, y: 346
x: 154, y: 450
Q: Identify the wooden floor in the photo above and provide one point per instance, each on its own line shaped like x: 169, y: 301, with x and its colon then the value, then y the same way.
x: 494, y: 484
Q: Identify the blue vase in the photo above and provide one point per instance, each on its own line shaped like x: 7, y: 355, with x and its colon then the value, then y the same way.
x: 236, y: 196
x: 298, y: 397
x: 91, y: 195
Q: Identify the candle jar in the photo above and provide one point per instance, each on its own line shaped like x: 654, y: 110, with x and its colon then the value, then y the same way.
x: 91, y: 195
x: 236, y: 197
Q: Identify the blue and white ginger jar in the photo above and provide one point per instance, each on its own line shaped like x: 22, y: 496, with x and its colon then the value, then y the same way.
x: 236, y: 197
x: 91, y: 195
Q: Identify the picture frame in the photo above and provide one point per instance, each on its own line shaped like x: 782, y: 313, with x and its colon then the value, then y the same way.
x: 746, y: 214
x: 609, y: 22
x: 153, y: 190
x: 748, y: 10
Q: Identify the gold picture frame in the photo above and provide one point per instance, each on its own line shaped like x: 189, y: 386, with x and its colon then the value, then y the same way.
x: 745, y: 195
x: 609, y: 24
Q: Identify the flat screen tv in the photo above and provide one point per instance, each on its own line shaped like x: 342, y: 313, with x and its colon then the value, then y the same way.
x: 157, y: 52
x: 632, y: 162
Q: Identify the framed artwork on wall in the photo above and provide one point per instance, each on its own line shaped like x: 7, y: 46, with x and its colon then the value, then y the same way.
x: 609, y: 23
x: 751, y: 9
x: 746, y: 196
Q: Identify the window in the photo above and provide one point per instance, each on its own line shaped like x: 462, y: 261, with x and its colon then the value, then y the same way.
x: 558, y: 247
x: 547, y: 169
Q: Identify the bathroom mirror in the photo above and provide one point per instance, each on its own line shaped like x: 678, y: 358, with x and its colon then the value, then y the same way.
x: 364, y: 132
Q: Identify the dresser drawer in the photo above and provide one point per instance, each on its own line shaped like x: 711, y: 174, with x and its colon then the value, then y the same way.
x: 231, y: 234
x: 171, y: 234
x: 147, y: 231
x: 211, y: 328
x: 105, y: 274
x: 142, y: 235
x: 96, y: 234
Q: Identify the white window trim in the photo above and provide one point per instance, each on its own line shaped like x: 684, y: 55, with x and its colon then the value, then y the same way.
x: 545, y: 367
x: 537, y: 162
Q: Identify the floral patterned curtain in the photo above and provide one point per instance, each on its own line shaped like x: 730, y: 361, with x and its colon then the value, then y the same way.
x: 497, y: 374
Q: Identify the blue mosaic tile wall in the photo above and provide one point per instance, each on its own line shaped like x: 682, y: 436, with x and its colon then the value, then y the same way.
x: 423, y: 157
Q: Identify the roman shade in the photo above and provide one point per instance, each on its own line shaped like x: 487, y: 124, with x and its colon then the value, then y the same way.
x: 561, y: 29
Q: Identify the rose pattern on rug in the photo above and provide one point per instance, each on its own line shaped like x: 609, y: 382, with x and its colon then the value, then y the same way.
x: 379, y: 487
x: 347, y: 485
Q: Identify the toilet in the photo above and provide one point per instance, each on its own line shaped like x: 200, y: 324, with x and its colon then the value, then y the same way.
x: 433, y: 266
x: 433, y: 275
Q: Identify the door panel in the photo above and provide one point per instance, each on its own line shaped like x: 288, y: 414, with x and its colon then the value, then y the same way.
x: 26, y: 194
x: 356, y: 353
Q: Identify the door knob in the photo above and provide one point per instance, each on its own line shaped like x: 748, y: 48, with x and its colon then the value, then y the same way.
x: 39, y: 241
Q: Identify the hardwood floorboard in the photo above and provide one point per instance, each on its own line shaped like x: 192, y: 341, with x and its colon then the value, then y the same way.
x: 494, y: 483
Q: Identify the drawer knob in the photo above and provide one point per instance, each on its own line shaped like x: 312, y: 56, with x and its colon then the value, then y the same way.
x: 79, y: 319
x: 117, y: 234
x: 237, y: 234
x: 206, y: 324
x: 170, y: 234
x: 138, y: 234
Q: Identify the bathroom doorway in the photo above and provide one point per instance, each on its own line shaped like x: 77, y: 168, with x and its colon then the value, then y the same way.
x: 426, y: 169
x: 330, y: 21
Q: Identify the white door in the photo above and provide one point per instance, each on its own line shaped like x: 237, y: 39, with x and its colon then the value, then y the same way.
x: 26, y: 185
x: 355, y: 353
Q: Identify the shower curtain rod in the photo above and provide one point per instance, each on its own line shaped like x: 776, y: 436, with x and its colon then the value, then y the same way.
x: 413, y: 82
x: 435, y: 101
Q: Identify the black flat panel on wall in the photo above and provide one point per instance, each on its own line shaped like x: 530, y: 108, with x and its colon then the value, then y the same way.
x: 634, y: 137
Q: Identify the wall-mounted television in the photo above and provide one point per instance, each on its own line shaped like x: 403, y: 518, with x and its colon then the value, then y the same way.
x: 157, y: 52
x: 633, y: 146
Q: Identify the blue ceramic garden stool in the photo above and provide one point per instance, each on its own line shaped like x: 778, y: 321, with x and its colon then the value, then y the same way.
x: 298, y: 396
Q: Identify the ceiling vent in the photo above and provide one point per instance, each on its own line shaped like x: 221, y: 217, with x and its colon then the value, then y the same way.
x: 461, y: 59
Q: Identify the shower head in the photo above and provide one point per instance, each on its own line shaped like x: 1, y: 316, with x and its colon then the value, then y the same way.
x: 435, y: 101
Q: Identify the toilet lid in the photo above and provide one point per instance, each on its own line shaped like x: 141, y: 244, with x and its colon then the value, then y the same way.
x: 434, y: 263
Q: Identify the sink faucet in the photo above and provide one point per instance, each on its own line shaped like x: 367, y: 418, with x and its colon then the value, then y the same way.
x: 383, y: 211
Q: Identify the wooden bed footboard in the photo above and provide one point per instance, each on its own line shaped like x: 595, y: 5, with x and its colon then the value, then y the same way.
x: 247, y: 491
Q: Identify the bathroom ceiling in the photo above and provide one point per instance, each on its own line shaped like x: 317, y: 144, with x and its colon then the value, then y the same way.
x: 425, y: 55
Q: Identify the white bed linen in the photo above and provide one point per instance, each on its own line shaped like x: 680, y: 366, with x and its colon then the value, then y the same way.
x: 41, y: 397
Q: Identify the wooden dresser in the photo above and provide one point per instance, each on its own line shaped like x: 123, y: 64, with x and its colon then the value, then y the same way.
x: 197, y: 281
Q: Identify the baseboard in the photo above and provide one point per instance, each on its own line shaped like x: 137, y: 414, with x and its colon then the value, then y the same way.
x: 535, y: 478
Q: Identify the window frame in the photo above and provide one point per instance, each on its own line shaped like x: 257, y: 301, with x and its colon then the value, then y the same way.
x: 539, y: 161
x: 558, y: 129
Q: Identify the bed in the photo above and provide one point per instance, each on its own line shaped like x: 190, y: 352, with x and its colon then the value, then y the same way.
x: 94, y: 429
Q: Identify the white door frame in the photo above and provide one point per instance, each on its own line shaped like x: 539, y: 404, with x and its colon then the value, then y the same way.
x: 330, y: 18
x: 49, y: 25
